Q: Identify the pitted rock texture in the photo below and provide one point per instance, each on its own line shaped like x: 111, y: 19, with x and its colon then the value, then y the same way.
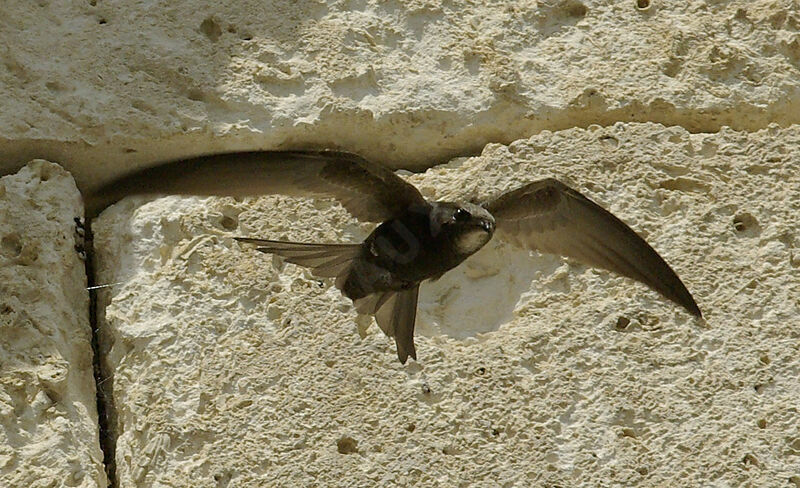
x: 102, y: 86
x: 48, y: 419
x: 232, y: 369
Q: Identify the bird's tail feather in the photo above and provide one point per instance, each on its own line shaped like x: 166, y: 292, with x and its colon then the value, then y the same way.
x: 396, y: 313
x: 324, y: 260
x: 396, y: 317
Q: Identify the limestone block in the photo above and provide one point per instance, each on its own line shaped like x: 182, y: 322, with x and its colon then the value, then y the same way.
x: 233, y: 369
x: 48, y: 418
x: 102, y: 86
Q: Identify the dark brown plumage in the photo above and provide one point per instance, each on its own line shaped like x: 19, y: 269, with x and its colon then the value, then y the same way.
x: 416, y: 239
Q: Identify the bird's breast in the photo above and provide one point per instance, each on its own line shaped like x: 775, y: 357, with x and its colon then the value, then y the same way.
x: 470, y: 241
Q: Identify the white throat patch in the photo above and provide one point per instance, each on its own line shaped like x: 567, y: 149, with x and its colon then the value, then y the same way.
x: 472, y: 240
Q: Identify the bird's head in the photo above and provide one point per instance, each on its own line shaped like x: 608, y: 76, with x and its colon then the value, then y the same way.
x: 468, y: 226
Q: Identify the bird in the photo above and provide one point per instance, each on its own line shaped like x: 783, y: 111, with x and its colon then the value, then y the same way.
x: 415, y: 239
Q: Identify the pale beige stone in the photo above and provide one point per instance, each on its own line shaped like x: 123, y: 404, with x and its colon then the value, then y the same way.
x: 230, y: 369
x: 101, y: 86
x: 576, y: 393
x: 48, y: 419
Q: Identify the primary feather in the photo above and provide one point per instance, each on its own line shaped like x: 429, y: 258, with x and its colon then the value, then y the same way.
x: 371, y: 192
x: 550, y: 217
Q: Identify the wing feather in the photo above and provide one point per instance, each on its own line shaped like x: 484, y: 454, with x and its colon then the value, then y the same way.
x: 369, y: 191
x: 550, y: 217
x: 325, y: 260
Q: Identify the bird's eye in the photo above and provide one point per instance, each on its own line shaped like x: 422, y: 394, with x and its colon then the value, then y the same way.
x: 461, y: 215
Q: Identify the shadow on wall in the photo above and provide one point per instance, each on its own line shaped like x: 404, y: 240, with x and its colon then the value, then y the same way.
x: 481, y: 294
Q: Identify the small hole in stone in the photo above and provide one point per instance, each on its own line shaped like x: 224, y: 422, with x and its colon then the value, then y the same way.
x: 411, y: 427
x: 93, y: 3
x: 622, y: 323
x: 228, y: 223
x: 346, y: 445
x: 211, y: 29
x: 642, y: 471
x: 576, y: 10
x: 480, y: 371
x: 196, y: 94
x: 764, y: 359
x: 426, y: 390
x: 762, y: 424
x: 102, y: 21
x: 11, y: 245
x: 745, y: 223
x: 750, y: 459
x: 45, y: 173
x: 610, y: 142
x: 495, y: 432
x: 643, y: 4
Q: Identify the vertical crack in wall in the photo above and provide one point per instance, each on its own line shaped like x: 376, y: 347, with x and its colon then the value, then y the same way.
x: 106, y: 412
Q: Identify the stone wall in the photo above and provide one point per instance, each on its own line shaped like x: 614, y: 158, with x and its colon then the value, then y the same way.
x: 48, y: 421
x: 223, y: 367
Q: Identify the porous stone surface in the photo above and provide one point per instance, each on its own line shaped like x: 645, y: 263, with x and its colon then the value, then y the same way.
x: 102, y: 86
x: 48, y: 419
x: 232, y: 369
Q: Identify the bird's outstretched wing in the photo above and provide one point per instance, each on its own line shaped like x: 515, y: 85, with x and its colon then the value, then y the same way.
x: 369, y: 191
x: 550, y: 217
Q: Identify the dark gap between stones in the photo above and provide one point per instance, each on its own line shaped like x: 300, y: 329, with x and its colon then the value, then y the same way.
x: 106, y: 411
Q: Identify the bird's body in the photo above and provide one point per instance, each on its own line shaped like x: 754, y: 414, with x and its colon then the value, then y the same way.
x: 427, y: 241
x: 382, y: 274
x: 416, y: 239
